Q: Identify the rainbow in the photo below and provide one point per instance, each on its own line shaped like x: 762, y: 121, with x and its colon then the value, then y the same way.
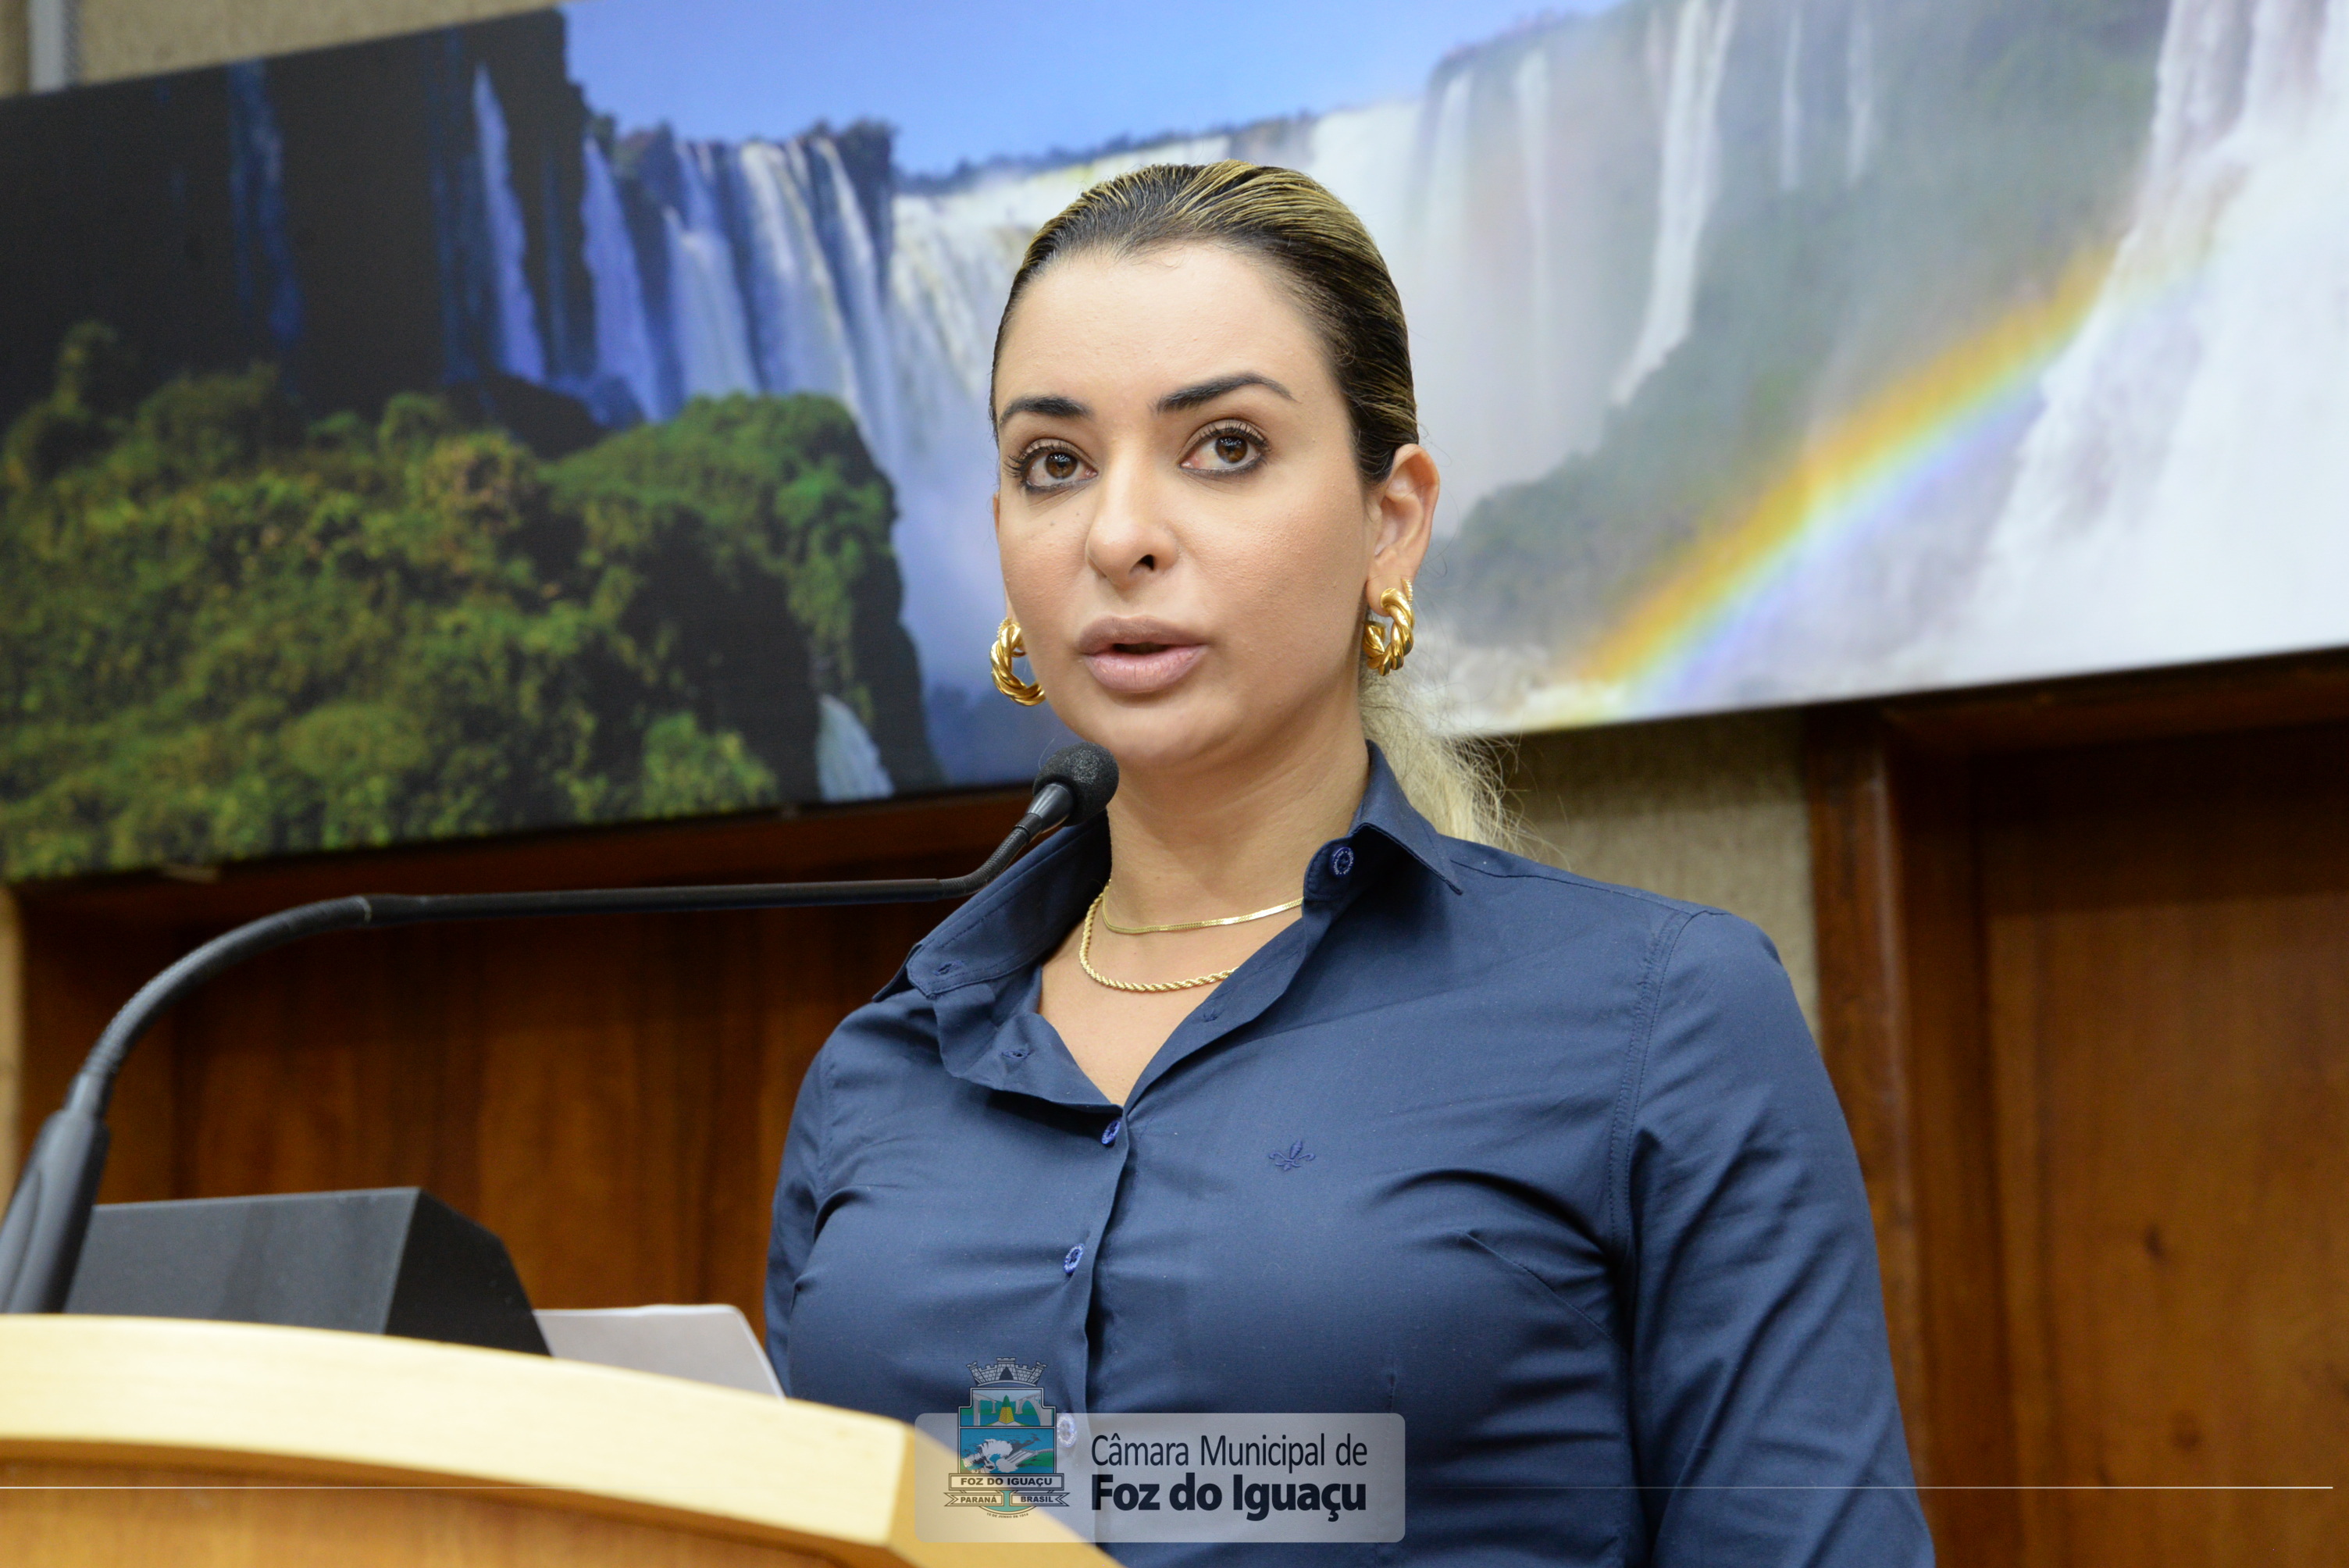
x: 1858, y: 473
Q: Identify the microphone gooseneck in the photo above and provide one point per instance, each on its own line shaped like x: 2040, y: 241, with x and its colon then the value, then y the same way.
x: 48, y: 1214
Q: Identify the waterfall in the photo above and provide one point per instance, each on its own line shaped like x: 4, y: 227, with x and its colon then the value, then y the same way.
x: 1442, y: 253
x: 847, y: 764
x: 266, y: 286
x: 1521, y: 253
x: 1356, y: 152
x: 951, y: 264
x: 519, y: 353
x: 1549, y: 205
x: 1859, y: 97
x: 713, y: 339
x: 1790, y: 109
x: 2200, y: 75
x: 624, y: 335
x: 815, y: 285
x: 1689, y: 182
x: 1531, y: 85
x: 1541, y: 286
x: 792, y: 266
x: 802, y: 334
x: 946, y: 284
x: 2182, y: 492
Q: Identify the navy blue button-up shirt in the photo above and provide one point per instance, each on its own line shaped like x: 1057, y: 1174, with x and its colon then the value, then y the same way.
x: 1550, y: 1168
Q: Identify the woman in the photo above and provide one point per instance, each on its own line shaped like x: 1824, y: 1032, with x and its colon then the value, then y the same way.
x: 1280, y: 1089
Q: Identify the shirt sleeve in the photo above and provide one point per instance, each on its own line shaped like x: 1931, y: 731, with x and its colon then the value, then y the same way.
x: 1767, y: 1427
x: 799, y: 1195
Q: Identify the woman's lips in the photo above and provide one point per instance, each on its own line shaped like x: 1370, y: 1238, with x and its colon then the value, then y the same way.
x: 1139, y: 669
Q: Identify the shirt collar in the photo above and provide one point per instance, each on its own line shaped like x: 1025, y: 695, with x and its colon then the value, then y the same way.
x: 1012, y: 923
x: 1015, y: 921
x: 1387, y: 810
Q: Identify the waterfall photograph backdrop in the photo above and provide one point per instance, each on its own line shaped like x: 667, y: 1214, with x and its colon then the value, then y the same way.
x: 581, y: 416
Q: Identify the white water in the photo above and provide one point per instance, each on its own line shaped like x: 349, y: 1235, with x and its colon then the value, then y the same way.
x: 712, y: 336
x: 1525, y: 266
x: 2185, y: 494
x: 950, y: 268
x: 1689, y: 183
x: 519, y: 353
x: 847, y: 764
x: 1531, y: 86
x: 624, y: 337
x: 819, y: 314
x: 1790, y: 109
x: 1860, y: 97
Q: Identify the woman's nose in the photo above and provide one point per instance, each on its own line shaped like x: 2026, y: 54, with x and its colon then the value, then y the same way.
x: 1131, y: 534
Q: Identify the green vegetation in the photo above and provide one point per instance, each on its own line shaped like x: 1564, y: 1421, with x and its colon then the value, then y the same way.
x: 226, y: 633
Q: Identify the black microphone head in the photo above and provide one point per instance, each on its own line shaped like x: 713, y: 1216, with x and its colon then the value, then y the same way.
x: 1089, y: 772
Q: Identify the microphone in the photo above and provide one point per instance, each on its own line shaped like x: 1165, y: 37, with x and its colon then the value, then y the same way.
x: 48, y: 1214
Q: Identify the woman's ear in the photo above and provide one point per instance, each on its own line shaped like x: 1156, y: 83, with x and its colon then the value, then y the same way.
x: 1404, y: 516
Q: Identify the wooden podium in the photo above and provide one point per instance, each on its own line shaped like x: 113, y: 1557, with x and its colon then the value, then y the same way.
x: 151, y: 1440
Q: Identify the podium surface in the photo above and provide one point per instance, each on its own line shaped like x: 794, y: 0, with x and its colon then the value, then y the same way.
x: 147, y: 1441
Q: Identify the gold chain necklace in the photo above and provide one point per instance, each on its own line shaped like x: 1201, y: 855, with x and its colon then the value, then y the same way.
x: 1085, y: 962
x: 1109, y: 925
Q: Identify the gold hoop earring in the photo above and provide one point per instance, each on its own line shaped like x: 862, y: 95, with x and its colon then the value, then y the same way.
x: 1384, y: 648
x: 1008, y: 647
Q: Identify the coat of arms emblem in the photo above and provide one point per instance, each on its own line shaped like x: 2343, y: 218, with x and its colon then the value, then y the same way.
x: 1007, y: 1436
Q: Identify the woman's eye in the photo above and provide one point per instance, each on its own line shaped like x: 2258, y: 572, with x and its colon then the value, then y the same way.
x: 1226, y: 451
x: 1053, y: 467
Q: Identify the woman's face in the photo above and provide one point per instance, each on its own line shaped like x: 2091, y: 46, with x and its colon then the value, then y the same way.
x: 1187, y: 543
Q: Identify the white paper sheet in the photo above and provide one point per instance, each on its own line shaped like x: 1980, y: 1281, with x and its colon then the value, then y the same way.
x: 707, y: 1344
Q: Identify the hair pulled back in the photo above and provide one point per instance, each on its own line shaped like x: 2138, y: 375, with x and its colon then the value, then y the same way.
x: 1331, y: 266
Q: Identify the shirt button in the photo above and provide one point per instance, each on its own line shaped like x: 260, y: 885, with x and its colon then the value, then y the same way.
x: 1108, y: 1133
x: 1341, y: 860
x: 1012, y: 1053
x: 1076, y: 1256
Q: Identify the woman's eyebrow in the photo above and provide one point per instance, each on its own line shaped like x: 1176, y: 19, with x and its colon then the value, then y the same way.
x: 1050, y: 405
x: 1208, y: 391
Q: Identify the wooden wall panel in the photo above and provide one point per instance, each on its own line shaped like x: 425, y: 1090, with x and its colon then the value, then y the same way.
x: 1899, y: 985
x: 78, y: 968
x: 2085, y: 993
x: 2167, y: 948
x: 609, y: 1094
x: 12, y: 1029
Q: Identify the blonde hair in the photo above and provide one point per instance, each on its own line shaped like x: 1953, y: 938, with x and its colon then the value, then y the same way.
x: 1342, y: 284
